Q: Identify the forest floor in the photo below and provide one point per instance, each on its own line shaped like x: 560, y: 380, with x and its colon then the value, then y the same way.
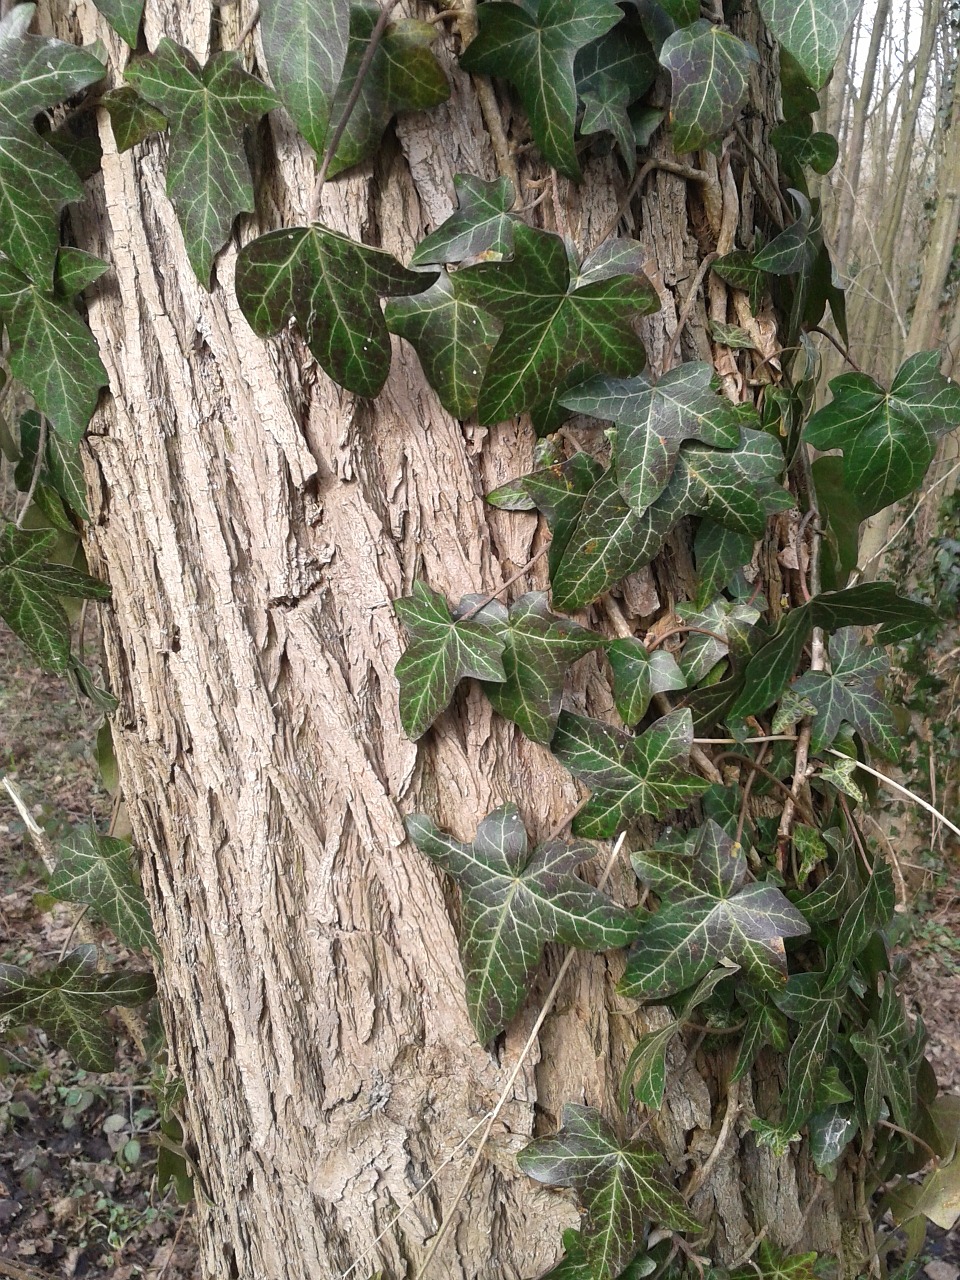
x: 78, y: 1194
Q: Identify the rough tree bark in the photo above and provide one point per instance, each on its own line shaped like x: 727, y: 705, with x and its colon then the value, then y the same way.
x: 256, y: 523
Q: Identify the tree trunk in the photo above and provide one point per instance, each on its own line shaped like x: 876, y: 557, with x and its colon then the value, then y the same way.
x: 256, y: 523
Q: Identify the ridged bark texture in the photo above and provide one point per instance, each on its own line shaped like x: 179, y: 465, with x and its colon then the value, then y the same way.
x: 256, y: 523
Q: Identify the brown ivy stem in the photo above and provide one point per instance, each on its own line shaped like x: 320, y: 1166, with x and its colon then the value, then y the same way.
x: 771, y: 176
x: 914, y: 1137
x: 561, y: 826
x: 505, y: 1093
x: 896, y: 786
x: 731, y: 1115
x: 689, y: 303
x: 676, y: 631
x: 902, y: 895
x: 747, y: 788
x: 366, y: 62
x: 815, y: 328
x: 755, y: 1244
x: 855, y: 832
x: 759, y: 768
x: 37, y: 468
x: 521, y: 572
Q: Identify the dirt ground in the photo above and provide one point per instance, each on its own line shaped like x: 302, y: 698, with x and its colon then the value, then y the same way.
x: 78, y: 1195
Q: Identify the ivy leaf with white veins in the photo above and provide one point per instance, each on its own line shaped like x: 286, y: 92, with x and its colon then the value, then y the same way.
x: 735, y: 487
x: 540, y: 647
x: 124, y: 16
x: 708, y: 913
x: 850, y: 694
x: 96, y: 869
x: 208, y: 175
x: 811, y: 30
x: 331, y: 286
x: 30, y: 591
x: 36, y: 73
x: 739, y: 269
x: 513, y: 902
x: 481, y: 226
x: 638, y: 675
x: 69, y: 1002
x: 654, y: 420
x: 710, y: 75
x: 131, y: 117
x: 305, y: 44
x: 888, y: 438
x: 574, y: 1265
x: 794, y: 251
x: 452, y: 338
x: 619, y: 1184
x: 611, y: 74
x: 52, y: 352
x: 702, y: 652
x: 558, y: 492
x: 627, y: 775
x: 442, y: 652
x: 550, y: 325
x: 719, y: 553
x: 536, y: 53
x: 403, y: 76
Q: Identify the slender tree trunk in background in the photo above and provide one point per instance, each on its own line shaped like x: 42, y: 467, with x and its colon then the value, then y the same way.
x: 256, y: 524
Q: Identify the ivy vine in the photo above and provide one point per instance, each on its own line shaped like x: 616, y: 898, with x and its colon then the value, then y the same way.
x: 507, y: 319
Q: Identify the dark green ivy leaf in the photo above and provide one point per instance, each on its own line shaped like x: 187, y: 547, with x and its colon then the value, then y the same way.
x: 797, y: 143
x: 881, y: 1044
x: 124, y: 16
x: 765, y: 1025
x: 442, y: 652
x: 850, y: 694
x: 710, y: 73
x: 330, y: 285
x: 452, y: 338
x: 208, y: 175
x: 536, y: 52
x: 574, y: 1265
x: 305, y: 44
x: 75, y: 270
x: 888, y: 439
x: 98, y: 870
x: 52, y: 352
x: 132, y: 118
x: 559, y: 492
x: 725, y: 619
x: 771, y: 1265
x: 654, y: 420
x: 719, y: 553
x: 739, y: 269
x: 481, y: 227
x: 732, y: 336
x: 539, y: 648
x: 513, y: 902
x: 627, y: 775
x: 794, y: 251
x: 36, y: 73
x: 611, y: 74
x: 550, y: 325
x: 403, y: 76
x: 638, y: 675
x: 69, y: 1002
x: 60, y: 484
x: 619, y: 1184
x: 30, y: 591
x: 708, y: 914
x: 811, y: 30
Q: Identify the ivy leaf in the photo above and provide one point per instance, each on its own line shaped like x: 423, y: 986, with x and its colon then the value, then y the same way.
x: 96, y: 869
x: 654, y: 420
x: 442, y: 652
x: 481, y: 227
x: 69, y: 1001
x: 627, y: 775
x: 30, y: 591
x: 536, y: 53
x: 831, y: 1132
x: 124, y: 16
x: 403, y: 76
x: 739, y: 269
x: 132, y: 118
x: 305, y: 44
x: 61, y: 484
x: 888, y: 439
x: 550, y: 326
x: 452, y: 338
x: 797, y: 144
x: 611, y: 74
x: 330, y: 285
x: 850, y: 695
x: 771, y: 1265
x: 540, y: 647
x: 806, y: 1001
x: 64, y: 469
x: 559, y: 493
x: 75, y: 270
x: 708, y: 914
x: 732, y: 336
x: 719, y: 553
x: 724, y: 618
x: 208, y: 175
x: 52, y: 352
x: 765, y: 1025
x: 888, y: 1075
x: 574, y: 1265
x: 35, y: 183
x: 794, y: 251
x: 513, y: 902
x: 811, y: 30
x: 638, y: 675
x: 710, y: 76
x: 734, y: 487
x: 619, y: 1184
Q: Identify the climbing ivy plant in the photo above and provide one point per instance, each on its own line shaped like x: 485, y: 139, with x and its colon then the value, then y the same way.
x: 507, y: 319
